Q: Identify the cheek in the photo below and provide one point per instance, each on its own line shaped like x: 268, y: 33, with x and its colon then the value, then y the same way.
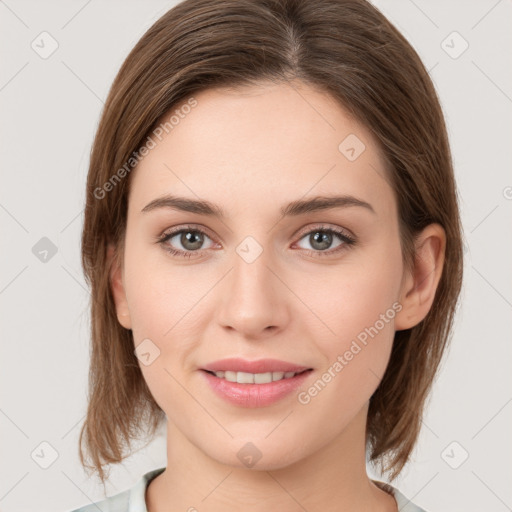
x: 359, y: 306
x: 159, y: 294
x: 356, y: 358
x: 355, y: 298
x: 166, y: 308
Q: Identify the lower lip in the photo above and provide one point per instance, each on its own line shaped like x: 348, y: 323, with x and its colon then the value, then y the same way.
x: 254, y: 395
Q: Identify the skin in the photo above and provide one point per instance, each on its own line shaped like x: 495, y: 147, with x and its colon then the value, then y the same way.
x: 250, y: 151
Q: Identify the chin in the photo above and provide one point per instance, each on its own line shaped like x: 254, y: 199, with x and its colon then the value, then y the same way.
x: 257, y: 456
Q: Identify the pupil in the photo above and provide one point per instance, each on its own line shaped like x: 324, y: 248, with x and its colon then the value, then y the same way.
x: 191, y: 240
x: 321, y: 238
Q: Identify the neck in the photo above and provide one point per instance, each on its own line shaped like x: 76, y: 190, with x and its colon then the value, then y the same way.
x: 333, y: 478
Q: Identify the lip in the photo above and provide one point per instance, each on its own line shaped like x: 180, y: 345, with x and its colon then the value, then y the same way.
x: 254, y: 395
x: 234, y: 364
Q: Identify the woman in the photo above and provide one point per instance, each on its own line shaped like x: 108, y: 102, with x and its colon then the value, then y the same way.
x: 273, y: 244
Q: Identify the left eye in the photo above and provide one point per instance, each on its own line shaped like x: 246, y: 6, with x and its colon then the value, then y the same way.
x: 321, y: 240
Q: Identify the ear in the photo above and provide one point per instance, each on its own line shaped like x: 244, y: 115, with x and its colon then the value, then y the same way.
x: 419, y: 285
x: 117, y: 287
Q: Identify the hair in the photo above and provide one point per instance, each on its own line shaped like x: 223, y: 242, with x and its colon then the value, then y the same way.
x: 346, y: 48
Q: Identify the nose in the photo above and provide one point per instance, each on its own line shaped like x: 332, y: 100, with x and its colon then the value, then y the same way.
x: 254, y: 302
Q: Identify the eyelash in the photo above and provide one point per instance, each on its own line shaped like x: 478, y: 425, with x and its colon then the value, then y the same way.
x: 345, y: 238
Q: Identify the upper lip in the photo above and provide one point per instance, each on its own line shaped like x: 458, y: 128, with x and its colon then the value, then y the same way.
x: 260, y: 366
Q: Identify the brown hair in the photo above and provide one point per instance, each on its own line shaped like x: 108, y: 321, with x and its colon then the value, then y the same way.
x: 344, y: 47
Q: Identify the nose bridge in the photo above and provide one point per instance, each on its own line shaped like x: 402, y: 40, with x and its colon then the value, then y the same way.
x: 253, y: 300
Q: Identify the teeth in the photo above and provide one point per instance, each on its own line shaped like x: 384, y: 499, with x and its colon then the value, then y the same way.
x: 254, y: 378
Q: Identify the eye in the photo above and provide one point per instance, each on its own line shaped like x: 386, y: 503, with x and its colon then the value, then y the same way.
x: 322, y: 238
x: 188, y: 241
x: 185, y: 241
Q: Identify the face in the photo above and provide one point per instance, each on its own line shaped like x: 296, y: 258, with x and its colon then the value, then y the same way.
x: 317, y: 287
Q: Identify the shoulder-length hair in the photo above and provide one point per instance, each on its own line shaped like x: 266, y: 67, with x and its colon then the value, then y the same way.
x: 344, y: 47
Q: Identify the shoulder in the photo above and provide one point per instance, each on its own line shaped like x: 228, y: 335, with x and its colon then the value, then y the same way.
x: 131, y: 500
x: 404, y: 503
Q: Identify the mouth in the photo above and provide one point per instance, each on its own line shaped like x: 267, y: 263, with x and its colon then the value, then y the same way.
x: 255, y: 390
x: 255, y: 378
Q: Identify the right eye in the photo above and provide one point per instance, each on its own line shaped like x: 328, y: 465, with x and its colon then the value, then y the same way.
x: 190, y: 239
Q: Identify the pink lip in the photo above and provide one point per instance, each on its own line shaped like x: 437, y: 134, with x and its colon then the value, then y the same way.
x: 234, y: 364
x: 254, y: 395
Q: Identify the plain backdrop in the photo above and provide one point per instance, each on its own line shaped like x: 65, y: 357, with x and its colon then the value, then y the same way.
x: 50, y: 106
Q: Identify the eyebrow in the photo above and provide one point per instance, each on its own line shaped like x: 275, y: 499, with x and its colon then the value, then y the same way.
x: 295, y: 208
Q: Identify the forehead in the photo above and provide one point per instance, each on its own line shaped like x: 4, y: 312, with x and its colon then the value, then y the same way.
x: 253, y: 144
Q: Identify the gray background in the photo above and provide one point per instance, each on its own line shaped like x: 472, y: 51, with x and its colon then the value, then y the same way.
x: 49, y: 112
